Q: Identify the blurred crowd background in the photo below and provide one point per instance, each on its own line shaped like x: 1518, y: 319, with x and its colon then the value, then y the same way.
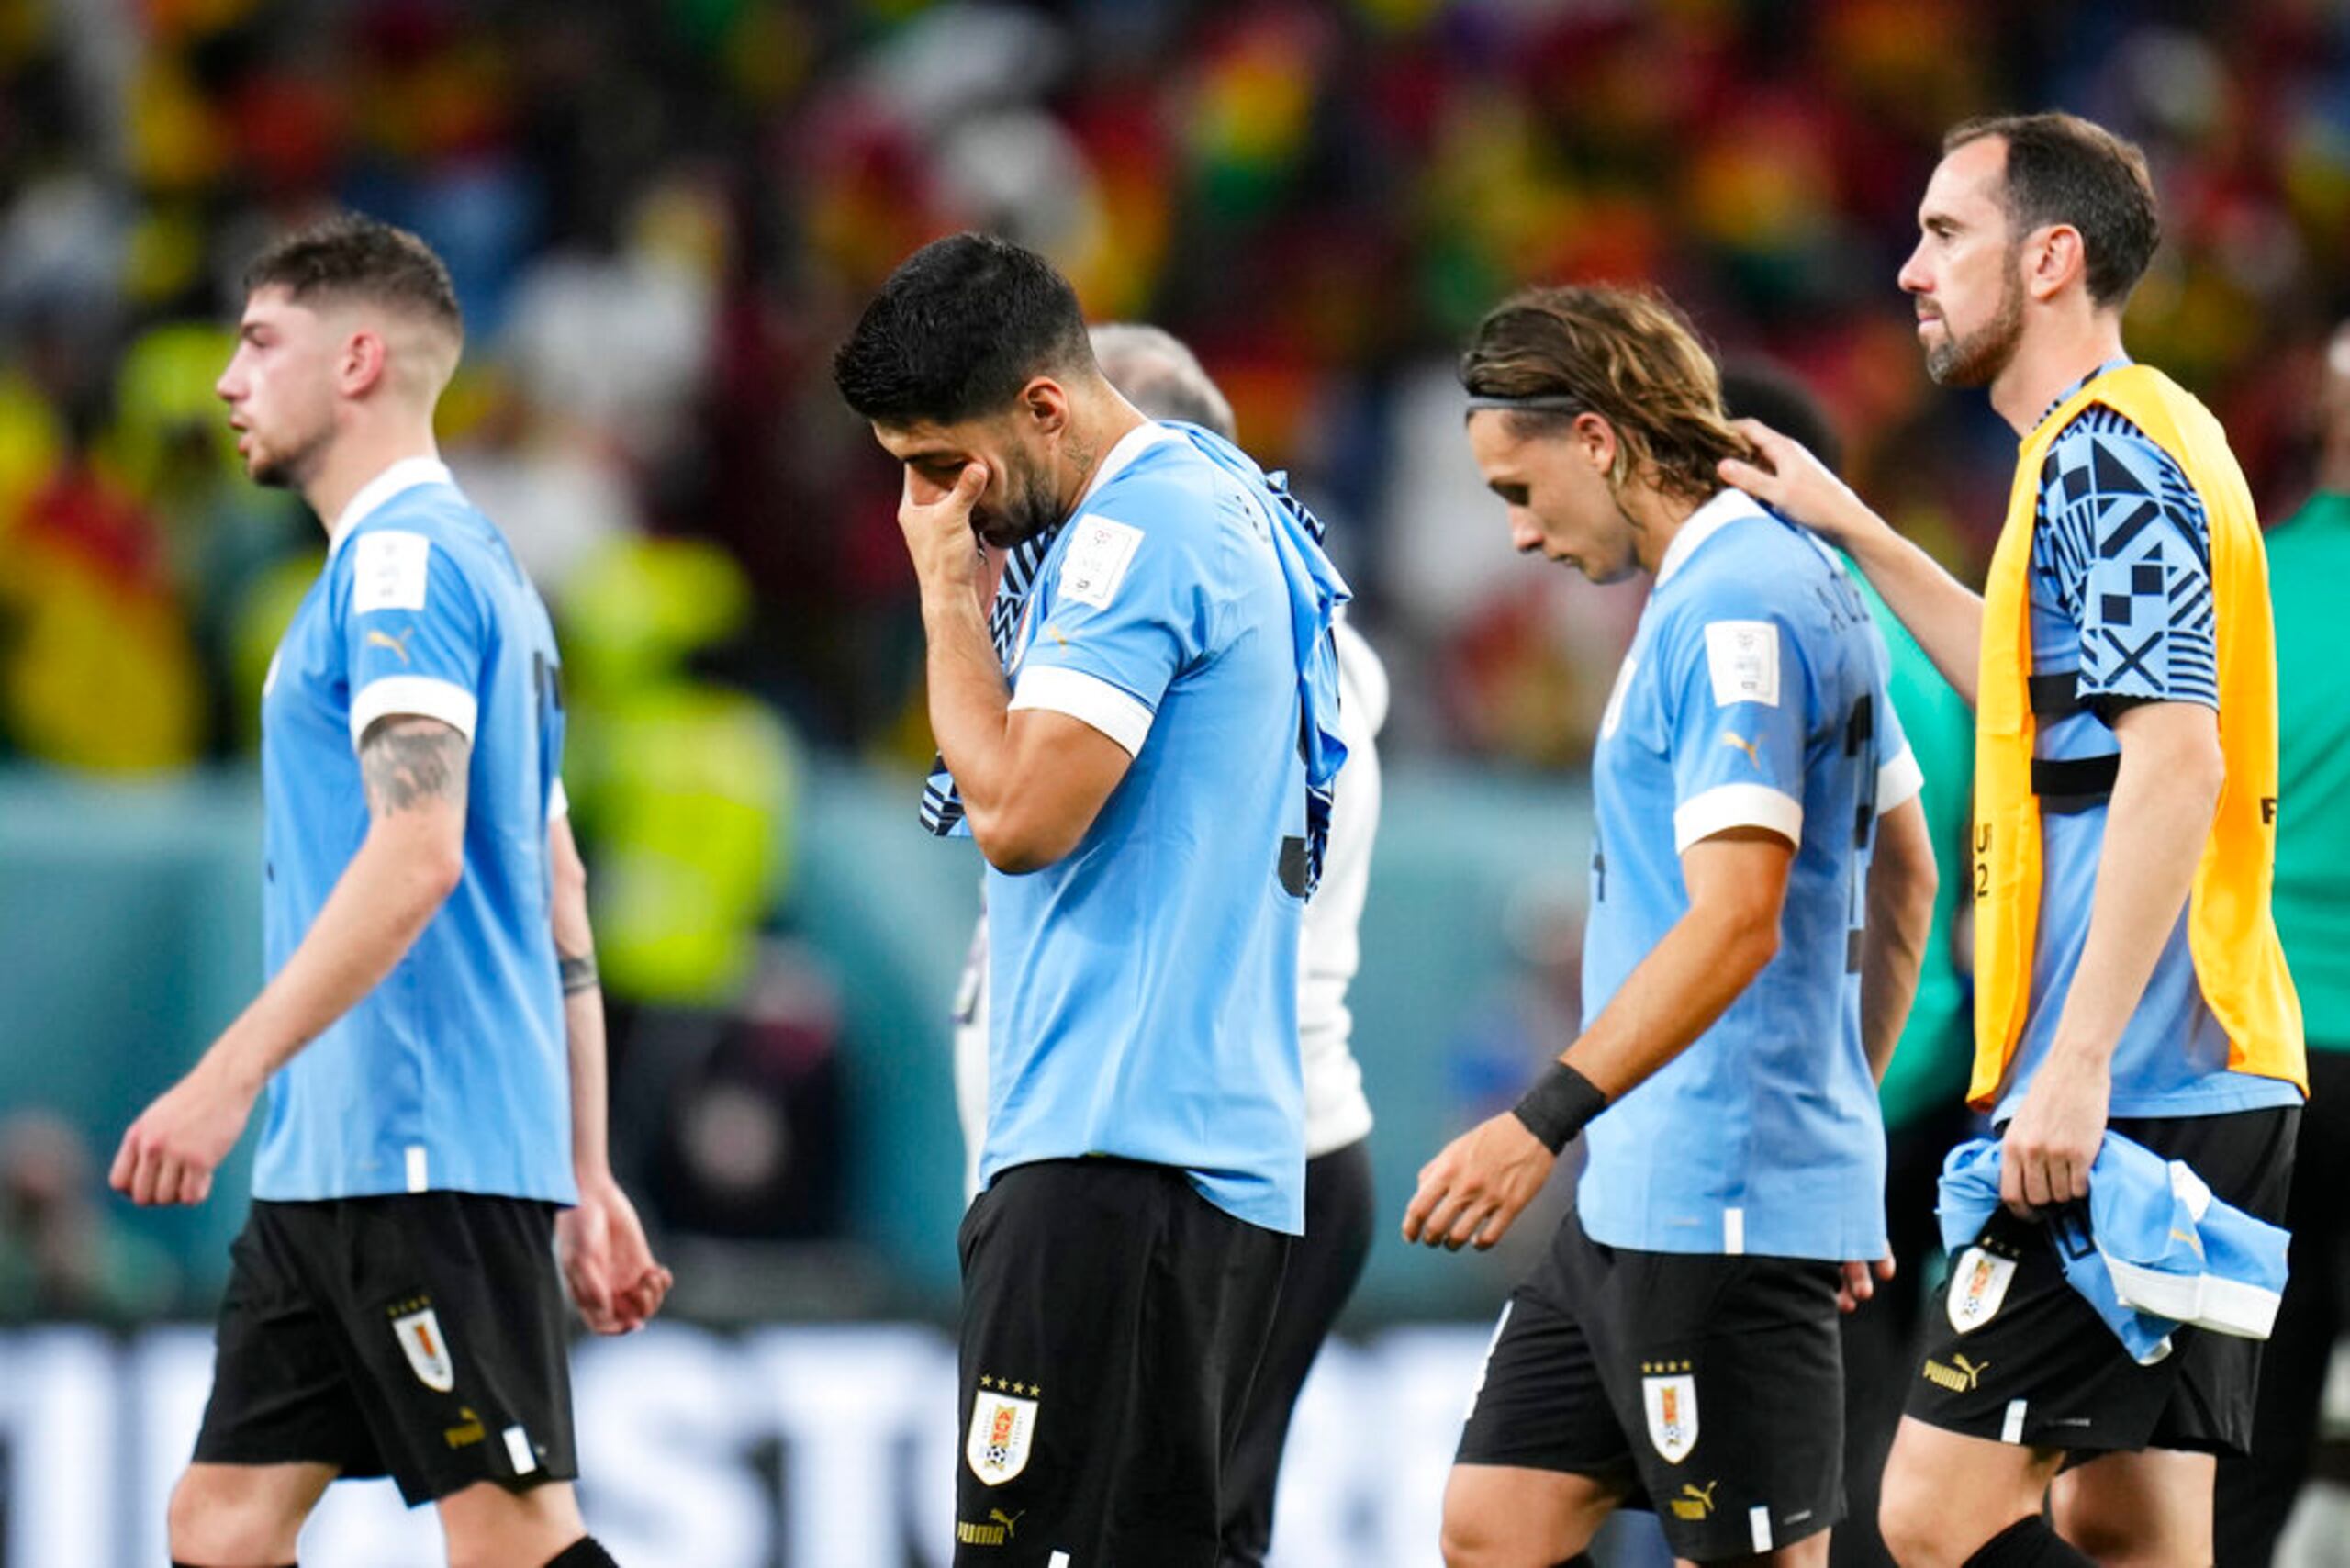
x: 663, y: 213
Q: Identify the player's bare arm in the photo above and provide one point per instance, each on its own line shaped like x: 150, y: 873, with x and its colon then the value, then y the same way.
x: 1031, y: 781
x: 1942, y: 613
x: 608, y: 1264
x: 415, y: 772
x: 1475, y: 1189
x: 1903, y: 880
x: 2156, y: 825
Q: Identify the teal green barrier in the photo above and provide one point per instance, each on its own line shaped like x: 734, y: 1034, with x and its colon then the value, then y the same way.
x: 129, y: 937
x: 129, y: 933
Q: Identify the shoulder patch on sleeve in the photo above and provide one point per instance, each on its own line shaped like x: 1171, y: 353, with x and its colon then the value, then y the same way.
x: 1097, y: 560
x: 1742, y: 657
x: 389, y: 569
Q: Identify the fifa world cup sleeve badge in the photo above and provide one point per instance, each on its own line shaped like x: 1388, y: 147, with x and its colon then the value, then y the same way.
x: 1003, y: 1428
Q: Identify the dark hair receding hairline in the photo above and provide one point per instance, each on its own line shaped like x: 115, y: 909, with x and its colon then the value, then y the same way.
x: 2063, y: 168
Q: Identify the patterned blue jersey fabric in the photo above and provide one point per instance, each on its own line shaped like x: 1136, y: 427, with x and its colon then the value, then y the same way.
x: 2121, y: 598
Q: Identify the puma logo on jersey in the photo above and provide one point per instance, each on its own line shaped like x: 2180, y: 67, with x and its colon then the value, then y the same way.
x: 1752, y: 749
x: 380, y: 639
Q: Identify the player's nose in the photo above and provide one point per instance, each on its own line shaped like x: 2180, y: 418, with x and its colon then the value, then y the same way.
x: 1914, y: 277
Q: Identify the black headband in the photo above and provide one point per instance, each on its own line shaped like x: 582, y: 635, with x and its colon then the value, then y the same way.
x: 1531, y: 403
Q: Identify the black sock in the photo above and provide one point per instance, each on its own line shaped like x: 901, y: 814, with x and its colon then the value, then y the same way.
x: 2029, y: 1543
x: 582, y: 1553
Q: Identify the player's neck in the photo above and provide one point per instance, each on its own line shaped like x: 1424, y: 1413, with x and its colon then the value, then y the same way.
x: 360, y: 455
x: 2055, y: 354
x: 1098, y: 424
x: 1657, y: 519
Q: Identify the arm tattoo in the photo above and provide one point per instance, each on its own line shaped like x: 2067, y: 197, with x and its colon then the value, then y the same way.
x: 578, y: 971
x: 406, y: 761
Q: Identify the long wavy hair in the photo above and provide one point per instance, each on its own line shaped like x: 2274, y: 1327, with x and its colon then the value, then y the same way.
x: 1625, y: 355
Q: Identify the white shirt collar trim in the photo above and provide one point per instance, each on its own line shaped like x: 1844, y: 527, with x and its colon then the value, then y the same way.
x: 404, y: 475
x: 1726, y: 508
x: 1131, y: 445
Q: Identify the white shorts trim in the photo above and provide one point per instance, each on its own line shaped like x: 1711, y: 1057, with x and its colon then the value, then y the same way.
x: 1726, y: 806
x: 425, y: 696
x: 1088, y: 699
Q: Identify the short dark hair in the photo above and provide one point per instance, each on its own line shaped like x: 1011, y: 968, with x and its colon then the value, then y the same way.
x: 1762, y: 389
x: 2064, y: 169
x: 961, y: 326
x: 356, y: 257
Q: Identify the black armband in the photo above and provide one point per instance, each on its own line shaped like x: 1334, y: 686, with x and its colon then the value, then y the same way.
x: 1559, y: 1104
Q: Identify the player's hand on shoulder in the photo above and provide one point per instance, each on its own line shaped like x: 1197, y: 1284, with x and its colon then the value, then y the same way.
x: 1789, y: 479
x: 608, y: 1264
x: 1474, y: 1190
x: 2055, y: 1137
x: 169, y: 1154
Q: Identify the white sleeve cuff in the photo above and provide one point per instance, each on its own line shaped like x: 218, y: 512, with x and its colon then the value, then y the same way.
x: 1727, y: 806
x: 1898, y: 781
x: 1088, y: 699
x: 424, y: 696
x: 558, y: 801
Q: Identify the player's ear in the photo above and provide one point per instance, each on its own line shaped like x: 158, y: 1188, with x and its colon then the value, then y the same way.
x: 1044, y: 402
x: 364, y: 361
x: 2053, y: 258
x: 1595, y: 438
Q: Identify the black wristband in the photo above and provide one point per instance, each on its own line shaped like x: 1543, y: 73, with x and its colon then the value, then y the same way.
x: 1559, y: 1104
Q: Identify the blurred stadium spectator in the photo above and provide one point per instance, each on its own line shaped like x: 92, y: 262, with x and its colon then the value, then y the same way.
x: 660, y: 215
x: 62, y: 1254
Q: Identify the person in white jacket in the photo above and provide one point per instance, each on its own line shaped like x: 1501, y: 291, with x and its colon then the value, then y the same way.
x: 1154, y: 371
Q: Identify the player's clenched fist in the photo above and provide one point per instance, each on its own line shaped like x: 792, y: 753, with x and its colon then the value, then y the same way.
x: 1476, y: 1188
x: 2055, y: 1137
x: 171, y: 1151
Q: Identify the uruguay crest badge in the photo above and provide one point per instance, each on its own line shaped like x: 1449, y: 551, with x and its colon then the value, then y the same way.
x: 1673, y: 1415
x: 1977, y: 1286
x: 1002, y: 1429
x: 428, y: 1352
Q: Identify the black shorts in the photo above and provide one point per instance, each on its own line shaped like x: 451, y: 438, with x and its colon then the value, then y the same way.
x: 419, y: 1335
x: 1113, y: 1319
x: 1710, y: 1389
x: 2036, y: 1365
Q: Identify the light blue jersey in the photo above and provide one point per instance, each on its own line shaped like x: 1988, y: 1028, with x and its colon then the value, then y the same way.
x: 454, y: 1073
x: 1753, y: 696
x: 2122, y: 603
x: 1143, y: 988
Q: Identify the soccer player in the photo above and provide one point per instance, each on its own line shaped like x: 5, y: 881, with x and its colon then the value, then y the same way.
x: 1161, y: 377
x: 2309, y: 557
x: 1139, y: 733
x: 1760, y: 885
x: 432, y: 1034
x: 2127, y: 971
